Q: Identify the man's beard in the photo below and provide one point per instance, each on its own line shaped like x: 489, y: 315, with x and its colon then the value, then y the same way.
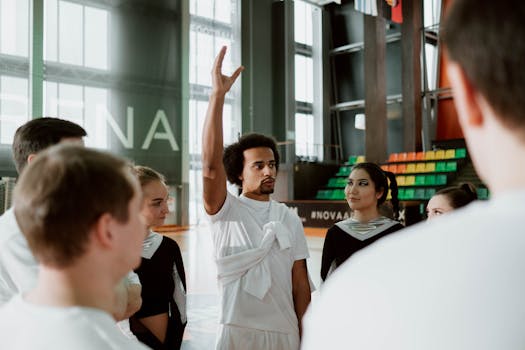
x: 266, y: 191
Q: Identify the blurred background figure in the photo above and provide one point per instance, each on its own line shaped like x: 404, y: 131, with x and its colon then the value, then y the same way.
x: 451, y: 198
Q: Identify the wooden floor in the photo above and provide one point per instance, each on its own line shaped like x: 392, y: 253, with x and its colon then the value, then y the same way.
x: 170, y: 230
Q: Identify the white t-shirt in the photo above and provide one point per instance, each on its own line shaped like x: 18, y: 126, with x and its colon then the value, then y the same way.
x: 237, y: 227
x: 28, y: 326
x: 456, y: 282
x: 18, y: 267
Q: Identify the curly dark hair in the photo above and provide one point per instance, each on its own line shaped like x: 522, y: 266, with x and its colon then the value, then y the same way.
x: 233, y: 157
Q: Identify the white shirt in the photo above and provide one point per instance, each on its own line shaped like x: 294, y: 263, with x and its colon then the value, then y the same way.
x: 18, y: 267
x: 237, y: 228
x: 456, y: 282
x: 28, y: 326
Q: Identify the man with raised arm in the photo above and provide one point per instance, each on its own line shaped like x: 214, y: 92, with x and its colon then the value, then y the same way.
x: 455, y: 282
x: 259, y: 244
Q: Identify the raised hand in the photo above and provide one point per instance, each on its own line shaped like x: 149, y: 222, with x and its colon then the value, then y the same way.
x: 221, y: 83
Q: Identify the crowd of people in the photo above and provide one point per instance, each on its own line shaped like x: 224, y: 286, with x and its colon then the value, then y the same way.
x: 81, y: 266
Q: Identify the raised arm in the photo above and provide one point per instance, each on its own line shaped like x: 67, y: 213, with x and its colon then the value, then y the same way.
x: 213, y: 173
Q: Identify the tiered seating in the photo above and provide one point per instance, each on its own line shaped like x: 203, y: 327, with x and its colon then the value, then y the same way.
x: 420, y: 174
x: 334, y: 189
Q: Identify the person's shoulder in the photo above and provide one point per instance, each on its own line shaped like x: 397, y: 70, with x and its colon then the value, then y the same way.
x: 170, y: 242
x: 231, y: 202
x: 9, y: 228
x: 95, y: 329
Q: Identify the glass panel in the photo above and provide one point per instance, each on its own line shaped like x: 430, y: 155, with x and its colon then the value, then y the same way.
x: 51, y: 99
x: 203, y: 8
x: 95, y: 107
x: 51, y: 30
x: 304, y: 78
x: 14, y: 27
x: 304, y: 135
x: 70, y: 103
x: 14, y: 106
x: 303, y: 22
x: 96, y: 45
x: 223, y: 11
x: 431, y: 60
x: 431, y: 12
x: 70, y: 36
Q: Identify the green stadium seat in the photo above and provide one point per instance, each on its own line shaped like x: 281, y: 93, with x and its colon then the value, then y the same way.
x: 482, y: 192
x: 323, y: 194
x: 420, y: 180
x: 409, y: 194
x: 441, y: 166
x: 401, y: 194
x: 343, y: 171
x: 419, y: 193
x: 352, y: 160
x: 441, y: 179
x: 429, y: 192
x: 430, y: 180
x: 332, y: 182
x: 452, y: 166
x: 341, y: 182
x: 461, y: 153
x: 338, y: 194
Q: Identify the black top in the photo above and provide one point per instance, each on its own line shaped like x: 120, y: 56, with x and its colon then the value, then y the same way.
x: 156, y: 277
x: 339, y: 246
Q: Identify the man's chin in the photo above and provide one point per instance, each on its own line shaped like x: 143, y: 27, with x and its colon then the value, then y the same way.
x: 266, y: 191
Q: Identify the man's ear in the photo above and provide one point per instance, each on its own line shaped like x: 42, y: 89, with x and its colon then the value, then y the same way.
x: 30, y: 158
x: 466, y: 97
x: 102, y: 230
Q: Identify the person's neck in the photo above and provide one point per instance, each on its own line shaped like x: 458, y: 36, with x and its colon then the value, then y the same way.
x: 257, y: 196
x: 365, y: 216
x: 73, y: 287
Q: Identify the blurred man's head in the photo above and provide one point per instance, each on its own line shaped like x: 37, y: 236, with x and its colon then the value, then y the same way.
x: 485, y: 44
x: 71, y: 199
x: 486, y: 38
x: 38, y: 134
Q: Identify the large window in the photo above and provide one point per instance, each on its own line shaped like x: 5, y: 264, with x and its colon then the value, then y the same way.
x: 84, y: 105
x: 214, y: 23
x: 76, y: 34
x: 14, y: 72
x: 14, y: 106
x: 14, y: 27
x: 308, y: 119
x: 76, y: 50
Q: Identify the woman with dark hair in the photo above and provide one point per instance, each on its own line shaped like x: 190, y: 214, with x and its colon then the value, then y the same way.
x: 366, y: 190
x: 451, y: 198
